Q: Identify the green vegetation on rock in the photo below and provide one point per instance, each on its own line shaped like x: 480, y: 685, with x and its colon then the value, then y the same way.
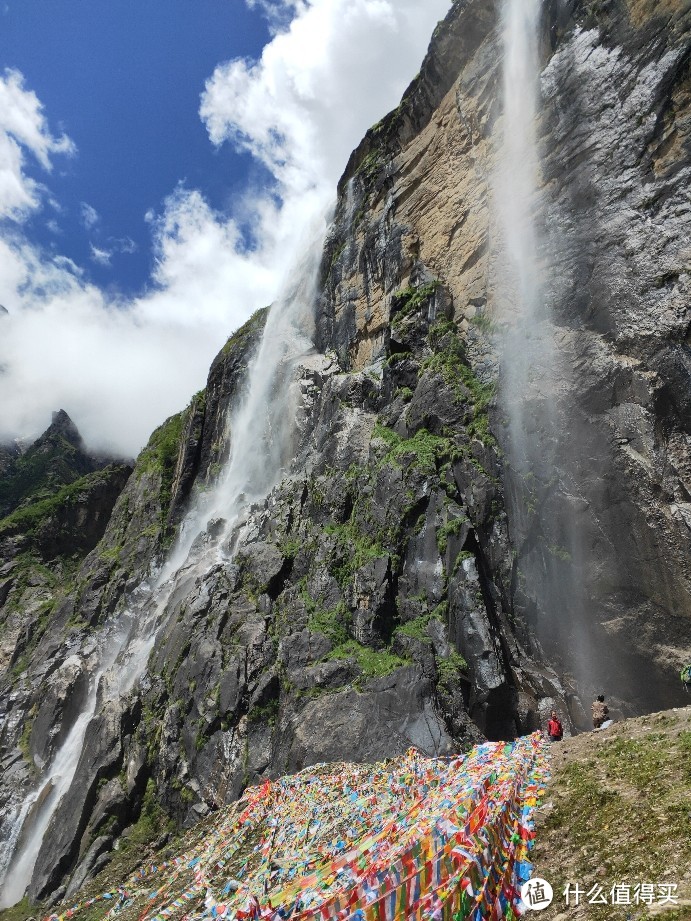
x: 620, y: 808
x: 451, y: 670
x: 417, y: 628
x: 28, y: 518
x: 246, y: 332
x: 372, y: 662
x: 423, y: 449
x: 449, y: 362
x: 409, y: 300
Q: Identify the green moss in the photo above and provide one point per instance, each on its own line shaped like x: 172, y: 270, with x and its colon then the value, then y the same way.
x: 355, y: 548
x: 152, y: 822
x: 333, y: 624
x: 373, y: 663
x: 112, y: 554
x: 160, y: 454
x: 417, y: 628
x: 461, y: 558
x: 266, y: 714
x: 396, y: 358
x: 21, y: 911
x: 247, y: 331
x: 369, y: 169
x: 449, y: 362
x: 482, y: 322
x: 290, y: 547
x: 560, y: 553
x: 409, y: 301
x: 452, y: 527
x: 451, y: 670
x: 423, y: 449
x: 25, y: 740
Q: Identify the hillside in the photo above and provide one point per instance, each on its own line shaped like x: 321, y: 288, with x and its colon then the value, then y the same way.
x: 340, y: 840
x: 617, y: 811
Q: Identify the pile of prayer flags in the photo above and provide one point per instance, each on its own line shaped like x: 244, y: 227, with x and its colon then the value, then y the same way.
x: 414, y: 838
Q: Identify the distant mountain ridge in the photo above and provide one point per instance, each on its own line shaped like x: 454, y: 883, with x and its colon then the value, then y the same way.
x: 57, y: 458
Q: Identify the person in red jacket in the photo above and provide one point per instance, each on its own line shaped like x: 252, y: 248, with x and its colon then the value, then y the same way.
x: 555, y: 730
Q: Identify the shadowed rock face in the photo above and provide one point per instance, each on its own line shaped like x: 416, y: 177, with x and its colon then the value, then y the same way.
x: 403, y: 584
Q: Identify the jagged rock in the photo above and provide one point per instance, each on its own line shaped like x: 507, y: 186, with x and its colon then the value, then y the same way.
x: 89, y: 866
x: 59, y: 709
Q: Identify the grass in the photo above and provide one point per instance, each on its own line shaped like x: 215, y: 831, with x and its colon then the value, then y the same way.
x: 451, y: 670
x: 449, y: 362
x: 355, y: 548
x: 408, y: 301
x: 417, y: 628
x: 621, y: 815
x: 160, y: 456
x: 247, y: 331
x: 423, y: 449
x: 452, y: 527
x: 266, y: 714
x: 373, y: 663
x: 136, y: 845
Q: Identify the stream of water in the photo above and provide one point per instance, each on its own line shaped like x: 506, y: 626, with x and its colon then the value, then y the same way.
x: 260, y: 428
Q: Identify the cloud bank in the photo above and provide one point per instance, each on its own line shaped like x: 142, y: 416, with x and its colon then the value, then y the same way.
x: 120, y: 367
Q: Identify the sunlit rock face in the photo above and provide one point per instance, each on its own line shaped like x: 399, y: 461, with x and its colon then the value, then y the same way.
x: 482, y: 509
x: 597, y: 496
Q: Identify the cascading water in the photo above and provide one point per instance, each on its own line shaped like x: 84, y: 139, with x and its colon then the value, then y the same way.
x: 535, y: 408
x: 527, y: 347
x: 261, y: 429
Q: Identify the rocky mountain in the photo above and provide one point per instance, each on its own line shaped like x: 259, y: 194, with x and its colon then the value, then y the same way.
x: 56, y: 499
x: 410, y: 578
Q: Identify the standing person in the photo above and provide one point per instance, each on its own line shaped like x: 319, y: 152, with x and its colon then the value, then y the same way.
x: 600, y: 711
x: 555, y: 730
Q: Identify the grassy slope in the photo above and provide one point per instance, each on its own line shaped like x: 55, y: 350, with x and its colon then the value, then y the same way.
x: 618, y: 811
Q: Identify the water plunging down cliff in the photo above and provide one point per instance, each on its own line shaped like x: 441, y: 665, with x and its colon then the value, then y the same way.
x: 480, y: 504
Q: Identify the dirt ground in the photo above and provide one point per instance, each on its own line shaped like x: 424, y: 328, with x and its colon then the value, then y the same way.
x: 616, y: 822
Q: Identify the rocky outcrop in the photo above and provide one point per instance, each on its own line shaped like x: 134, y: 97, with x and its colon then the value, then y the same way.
x: 406, y: 583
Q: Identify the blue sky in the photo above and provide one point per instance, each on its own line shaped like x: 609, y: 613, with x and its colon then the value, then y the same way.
x: 143, y: 146
x: 123, y: 79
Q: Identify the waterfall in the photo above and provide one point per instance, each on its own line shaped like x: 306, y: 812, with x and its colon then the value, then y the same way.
x: 261, y: 429
x: 534, y: 398
x: 527, y: 347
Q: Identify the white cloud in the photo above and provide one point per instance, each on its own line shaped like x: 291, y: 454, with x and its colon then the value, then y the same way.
x: 119, y: 368
x: 100, y: 256
x: 89, y: 215
x: 103, y: 255
x: 23, y: 129
x: 339, y: 67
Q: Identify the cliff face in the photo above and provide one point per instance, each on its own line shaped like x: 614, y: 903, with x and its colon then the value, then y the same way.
x: 405, y: 584
x: 600, y: 529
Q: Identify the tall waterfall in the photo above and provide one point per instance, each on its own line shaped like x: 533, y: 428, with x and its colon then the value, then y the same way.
x: 527, y: 349
x: 261, y: 436
x: 534, y: 396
